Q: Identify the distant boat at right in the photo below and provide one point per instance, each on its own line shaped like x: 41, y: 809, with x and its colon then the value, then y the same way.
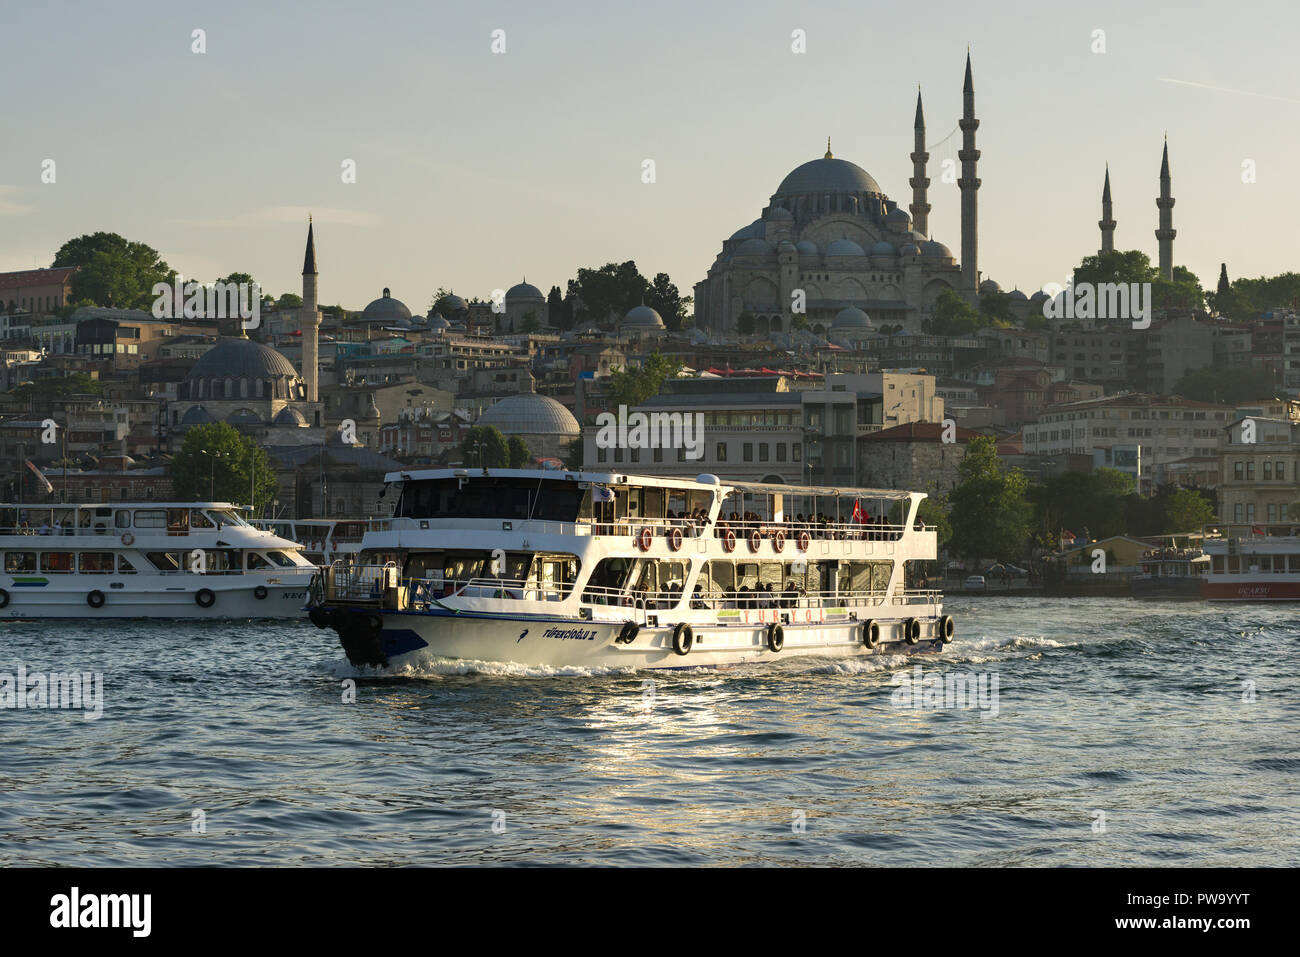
x: 1253, y: 563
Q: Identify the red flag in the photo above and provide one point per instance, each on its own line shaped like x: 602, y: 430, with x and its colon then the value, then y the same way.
x: 859, y: 516
x: 1256, y: 530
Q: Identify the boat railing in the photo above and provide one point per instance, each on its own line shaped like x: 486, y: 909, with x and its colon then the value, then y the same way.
x: 766, y: 529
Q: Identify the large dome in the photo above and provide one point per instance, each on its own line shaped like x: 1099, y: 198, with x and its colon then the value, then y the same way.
x: 644, y: 316
x: 385, y: 309
x: 241, y: 359
x: 530, y: 414
x: 827, y: 175
x: 524, y: 292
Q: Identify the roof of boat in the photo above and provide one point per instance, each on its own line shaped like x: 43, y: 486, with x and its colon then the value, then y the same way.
x: 703, y: 481
x: 45, y: 506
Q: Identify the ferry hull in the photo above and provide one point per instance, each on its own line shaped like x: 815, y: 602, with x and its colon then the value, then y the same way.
x: 151, y: 600
x: 1252, y: 590
x: 413, y: 639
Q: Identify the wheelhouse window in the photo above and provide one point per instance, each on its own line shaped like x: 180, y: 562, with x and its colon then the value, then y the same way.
x: 479, y: 498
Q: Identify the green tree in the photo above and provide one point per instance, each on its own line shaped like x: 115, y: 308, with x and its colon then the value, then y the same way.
x: 520, y: 457
x: 113, y: 271
x: 1247, y: 299
x: 217, y: 463
x: 934, y: 511
x: 631, y: 387
x: 666, y: 300
x: 1187, y: 511
x: 953, y: 316
x: 485, y: 447
x: 572, y: 457
x: 1097, y: 501
x: 1129, y: 266
x: 990, y: 514
x: 57, y: 387
x: 995, y: 310
x: 609, y: 292
x: 555, y: 309
x: 530, y: 323
x: 745, y: 324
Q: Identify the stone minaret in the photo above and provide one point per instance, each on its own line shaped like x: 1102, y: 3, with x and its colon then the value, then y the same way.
x: 1166, y: 233
x: 309, y: 318
x: 1107, y: 222
x: 969, y: 185
x: 919, y: 209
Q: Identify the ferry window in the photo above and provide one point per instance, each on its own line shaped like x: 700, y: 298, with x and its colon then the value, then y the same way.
x: 609, y: 575
x: 257, y: 562
x: 56, y: 562
x: 281, y: 559
x: 164, y: 561
x: 150, y: 518
x: 123, y: 518
x: 220, y: 561
x: 718, y: 577
x: 178, y: 519
x: 20, y: 562
x: 479, y: 498
x: 124, y: 566
x: 95, y: 563
x: 199, y: 520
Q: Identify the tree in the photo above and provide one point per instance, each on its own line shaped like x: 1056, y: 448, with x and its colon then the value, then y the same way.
x: 520, y: 457
x: 953, y: 316
x: 113, y: 271
x: 609, y: 292
x: 933, y: 511
x: 631, y: 387
x: 555, y: 309
x: 1247, y: 299
x: 572, y: 457
x: 1187, y: 511
x: 1076, y: 500
x: 1133, y: 266
x: 217, y: 463
x: 47, y: 388
x: 995, y: 310
x: 668, y: 302
x: 989, y: 512
x: 289, y: 300
x: 530, y: 323
x: 485, y: 447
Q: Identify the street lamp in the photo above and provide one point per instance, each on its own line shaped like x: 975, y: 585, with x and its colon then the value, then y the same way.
x: 212, y: 472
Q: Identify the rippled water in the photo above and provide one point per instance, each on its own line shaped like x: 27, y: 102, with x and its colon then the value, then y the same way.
x: 1142, y: 712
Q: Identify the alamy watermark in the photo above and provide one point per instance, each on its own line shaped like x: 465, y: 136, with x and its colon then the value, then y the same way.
x: 1127, y: 301
x: 83, y: 691
x: 653, y: 430
x: 946, y: 692
x: 213, y: 300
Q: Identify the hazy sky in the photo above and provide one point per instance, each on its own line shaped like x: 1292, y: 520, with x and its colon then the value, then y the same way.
x: 474, y: 169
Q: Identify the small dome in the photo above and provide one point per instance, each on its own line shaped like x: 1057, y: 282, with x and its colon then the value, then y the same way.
x: 851, y: 318
x: 753, y: 231
x: 197, y: 415
x: 989, y: 286
x: 779, y: 214
x: 883, y: 248
x: 754, y: 247
x: 919, y: 238
x: 524, y: 292
x: 385, y: 309
x: 437, y: 323
x: 934, y: 250
x: 1039, y: 296
x: 807, y: 247
x: 289, y: 417
x: 244, y: 417
x: 643, y: 317
x: 909, y: 249
x: 450, y: 305
x: 844, y: 247
x: 1018, y: 296
x: 899, y: 215
x: 531, y: 414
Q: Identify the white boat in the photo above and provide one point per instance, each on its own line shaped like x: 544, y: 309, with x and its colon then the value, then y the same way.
x: 323, y: 540
x: 607, y: 570
x: 145, y: 560
x: 1253, y: 563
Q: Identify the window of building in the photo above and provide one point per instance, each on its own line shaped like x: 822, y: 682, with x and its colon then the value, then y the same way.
x: 720, y: 451
x: 748, y: 451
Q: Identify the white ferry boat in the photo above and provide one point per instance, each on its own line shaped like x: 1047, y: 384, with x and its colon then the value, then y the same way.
x: 1253, y: 563
x: 146, y: 560
x: 601, y: 570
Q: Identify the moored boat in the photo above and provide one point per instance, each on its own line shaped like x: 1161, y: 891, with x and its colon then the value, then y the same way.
x: 145, y: 560
x: 1253, y: 563
x: 609, y: 570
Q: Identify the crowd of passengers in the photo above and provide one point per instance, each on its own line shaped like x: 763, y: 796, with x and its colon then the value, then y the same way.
x: 759, y: 596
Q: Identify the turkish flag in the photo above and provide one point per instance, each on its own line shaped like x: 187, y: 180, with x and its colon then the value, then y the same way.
x: 859, y: 516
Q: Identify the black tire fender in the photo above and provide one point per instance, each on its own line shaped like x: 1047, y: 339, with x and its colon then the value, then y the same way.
x: 205, y: 598
x: 95, y: 599
x: 870, y: 633
x: 775, y: 637
x: 683, y: 638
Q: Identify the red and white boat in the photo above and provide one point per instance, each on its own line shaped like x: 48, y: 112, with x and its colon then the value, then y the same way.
x: 1253, y: 563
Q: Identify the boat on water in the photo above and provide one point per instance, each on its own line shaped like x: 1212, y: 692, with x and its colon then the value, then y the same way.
x: 146, y: 560
x: 609, y: 570
x: 1175, y: 569
x: 1253, y: 563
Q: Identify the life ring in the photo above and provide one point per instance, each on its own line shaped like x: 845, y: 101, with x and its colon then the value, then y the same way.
x: 683, y: 638
x: 628, y: 633
x: 95, y: 599
x: 260, y: 592
x: 729, y: 541
x: 775, y: 637
x: 947, y: 628
x: 205, y: 598
x: 754, y: 540
x: 804, y: 540
x: 912, y: 631
x: 778, y: 541
x: 128, y: 538
x: 4, y: 598
x: 643, y: 538
x: 674, y: 536
x: 870, y: 633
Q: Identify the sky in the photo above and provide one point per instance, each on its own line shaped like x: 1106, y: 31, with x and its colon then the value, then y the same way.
x: 475, y: 169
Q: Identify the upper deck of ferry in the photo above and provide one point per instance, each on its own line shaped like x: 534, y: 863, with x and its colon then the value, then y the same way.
x: 118, y: 519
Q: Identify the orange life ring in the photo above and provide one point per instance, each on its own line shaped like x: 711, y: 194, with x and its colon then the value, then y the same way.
x: 128, y: 538
x: 644, y: 538
x: 778, y: 541
x: 804, y: 540
x: 674, y: 536
x: 729, y: 541
x: 754, y: 539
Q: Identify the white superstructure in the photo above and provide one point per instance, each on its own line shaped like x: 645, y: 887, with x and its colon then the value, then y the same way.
x: 145, y: 560
x: 613, y: 570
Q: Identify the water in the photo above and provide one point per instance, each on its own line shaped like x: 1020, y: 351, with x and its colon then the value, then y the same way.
x: 1135, y: 710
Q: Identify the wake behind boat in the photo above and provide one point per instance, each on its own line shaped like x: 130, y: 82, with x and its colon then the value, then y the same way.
x: 602, y: 570
x: 155, y: 560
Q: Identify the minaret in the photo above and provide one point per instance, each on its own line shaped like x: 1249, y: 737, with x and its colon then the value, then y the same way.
x: 1166, y: 233
x: 919, y: 209
x: 969, y: 185
x: 309, y: 318
x: 1107, y: 222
